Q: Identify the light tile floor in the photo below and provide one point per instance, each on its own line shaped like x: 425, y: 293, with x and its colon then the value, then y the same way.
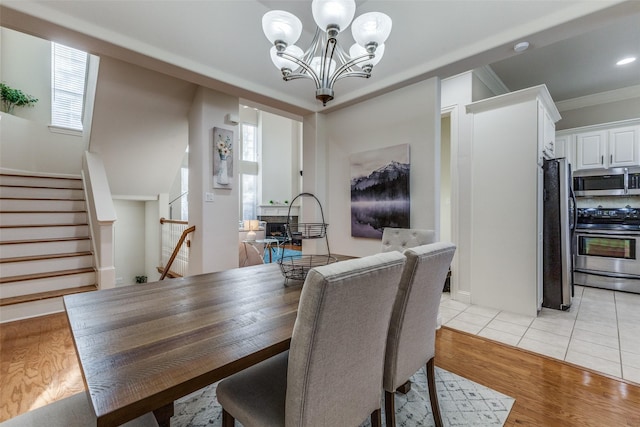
x: 601, y: 330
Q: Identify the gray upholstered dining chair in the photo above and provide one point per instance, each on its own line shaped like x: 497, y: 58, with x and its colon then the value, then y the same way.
x: 399, y: 239
x: 332, y: 373
x: 412, y: 332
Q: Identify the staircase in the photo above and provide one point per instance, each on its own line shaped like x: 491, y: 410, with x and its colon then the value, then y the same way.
x: 45, y: 245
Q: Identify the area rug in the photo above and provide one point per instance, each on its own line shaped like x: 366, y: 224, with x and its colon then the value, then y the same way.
x: 276, y: 254
x: 462, y: 403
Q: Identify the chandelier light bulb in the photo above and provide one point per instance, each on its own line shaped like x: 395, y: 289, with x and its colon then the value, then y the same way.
x: 281, y: 26
x: 283, y: 62
x: 316, y: 63
x: 356, y: 50
x: 372, y: 27
x: 335, y: 14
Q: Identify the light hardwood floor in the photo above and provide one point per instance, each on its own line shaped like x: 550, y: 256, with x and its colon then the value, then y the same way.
x: 38, y: 365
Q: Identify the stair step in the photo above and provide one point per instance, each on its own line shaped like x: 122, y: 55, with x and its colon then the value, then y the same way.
x: 46, y: 275
x: 18, y: 179
x: 46, y: 295
x: 16, y: 192
x: 75, y: 279
x: 43, y: 218
x: 14, y: 269
x: 40, y: 205
x: 42, y: 231
x: 34, y: 247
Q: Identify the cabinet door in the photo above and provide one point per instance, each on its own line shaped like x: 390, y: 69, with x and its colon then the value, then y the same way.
x: 591, y: 150
x: 565, y: 147
x: 623, y: 146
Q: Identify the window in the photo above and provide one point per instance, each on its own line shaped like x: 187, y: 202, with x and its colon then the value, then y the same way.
x: 249, y: 171
x: 69, y: 68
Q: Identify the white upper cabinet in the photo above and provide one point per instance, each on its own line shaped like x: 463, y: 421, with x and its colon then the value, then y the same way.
x: 604, y: 146
x: 591, y: 149
x: 623, y: 146
x: 565, y: 147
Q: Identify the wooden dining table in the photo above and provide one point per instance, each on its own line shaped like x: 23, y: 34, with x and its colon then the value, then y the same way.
x: 141, y: 347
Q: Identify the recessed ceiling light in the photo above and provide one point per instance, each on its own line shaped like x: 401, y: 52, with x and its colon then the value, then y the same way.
x: 521, y: 47
x: 627, y: 60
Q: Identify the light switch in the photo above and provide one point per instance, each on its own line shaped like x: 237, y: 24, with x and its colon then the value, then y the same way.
x: 208, y: 197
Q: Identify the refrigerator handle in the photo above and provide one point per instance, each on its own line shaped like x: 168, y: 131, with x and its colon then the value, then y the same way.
x: 575, y: 211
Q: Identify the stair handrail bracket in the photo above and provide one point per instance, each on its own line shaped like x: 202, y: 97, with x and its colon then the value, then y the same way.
x: 102, y: 215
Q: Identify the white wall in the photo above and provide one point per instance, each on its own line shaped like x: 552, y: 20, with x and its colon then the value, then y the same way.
x: 215, y: 241
x: 26, y: 143
x: 456, y: 93
x: 277, y: 157
x: 25, y: 64
x: 129, y: 241
x: 140, y: 127
x: 445, y: 179
x: 30, y: 146
x: 409, y: 115
x: 597, y: 114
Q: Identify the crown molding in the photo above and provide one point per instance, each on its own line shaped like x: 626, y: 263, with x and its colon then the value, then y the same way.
x: 599, y: 98
x: 491, y: 80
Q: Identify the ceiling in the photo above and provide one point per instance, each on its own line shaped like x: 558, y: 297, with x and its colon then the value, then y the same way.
x: 220, y: 44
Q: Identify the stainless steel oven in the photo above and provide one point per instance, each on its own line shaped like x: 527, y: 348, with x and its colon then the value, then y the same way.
x: 607, y: 249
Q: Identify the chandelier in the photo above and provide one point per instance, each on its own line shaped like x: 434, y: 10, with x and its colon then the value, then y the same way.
x: 325, y: 62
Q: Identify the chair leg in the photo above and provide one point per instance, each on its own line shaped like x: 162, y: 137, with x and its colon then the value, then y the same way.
x: 433, y: 395
x: 389, y: 409
x: 376, y: 418
x: 404, y: 388
x: 227, y: 419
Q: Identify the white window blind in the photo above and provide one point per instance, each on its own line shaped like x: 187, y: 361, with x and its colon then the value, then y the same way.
x: 68, y: 85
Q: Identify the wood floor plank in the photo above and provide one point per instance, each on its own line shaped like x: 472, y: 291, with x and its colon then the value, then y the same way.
x: 548, y: 392
x: 38, y: 365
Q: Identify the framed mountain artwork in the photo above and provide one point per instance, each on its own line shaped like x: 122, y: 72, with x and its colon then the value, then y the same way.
x: 379, y: 191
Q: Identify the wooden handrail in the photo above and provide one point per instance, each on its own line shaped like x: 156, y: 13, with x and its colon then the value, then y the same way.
x: 172, y: 221
x: 176, y: 249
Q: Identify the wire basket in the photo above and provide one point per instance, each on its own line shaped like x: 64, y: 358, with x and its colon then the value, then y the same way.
x: 306, y: 230
x: 297, y: 267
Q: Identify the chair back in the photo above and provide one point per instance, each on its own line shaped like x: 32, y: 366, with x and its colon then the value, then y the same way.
x: 337, y: 348
x: 399, y: 239
x: 412, y: 330
x: 248, y: 255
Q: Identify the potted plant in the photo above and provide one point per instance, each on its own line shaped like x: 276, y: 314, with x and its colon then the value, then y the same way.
x: 12, y: 98
x: 141, y: 279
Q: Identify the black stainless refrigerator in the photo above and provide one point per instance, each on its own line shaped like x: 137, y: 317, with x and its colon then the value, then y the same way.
x: 558, y: 225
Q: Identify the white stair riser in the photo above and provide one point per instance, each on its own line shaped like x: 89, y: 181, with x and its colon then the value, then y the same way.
x: 41, y: 193
x: 10, y: 269
x: 53, y: 232
x: 21, y: 205
x: 26, y: 287
x: 10, y: 313
x: 44, y: 248
x: 46, y: 218
x: 34, y: 181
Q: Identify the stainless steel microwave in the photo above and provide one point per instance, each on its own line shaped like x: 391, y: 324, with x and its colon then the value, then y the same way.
x: 606, y: 182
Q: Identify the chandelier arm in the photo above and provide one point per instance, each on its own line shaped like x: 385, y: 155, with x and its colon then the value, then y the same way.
x: 353, y: 74
x: 296, y: 76
x: 325, y: 67
x: 313, y: 47
x: 304, y: 65
x: 346, y: 68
